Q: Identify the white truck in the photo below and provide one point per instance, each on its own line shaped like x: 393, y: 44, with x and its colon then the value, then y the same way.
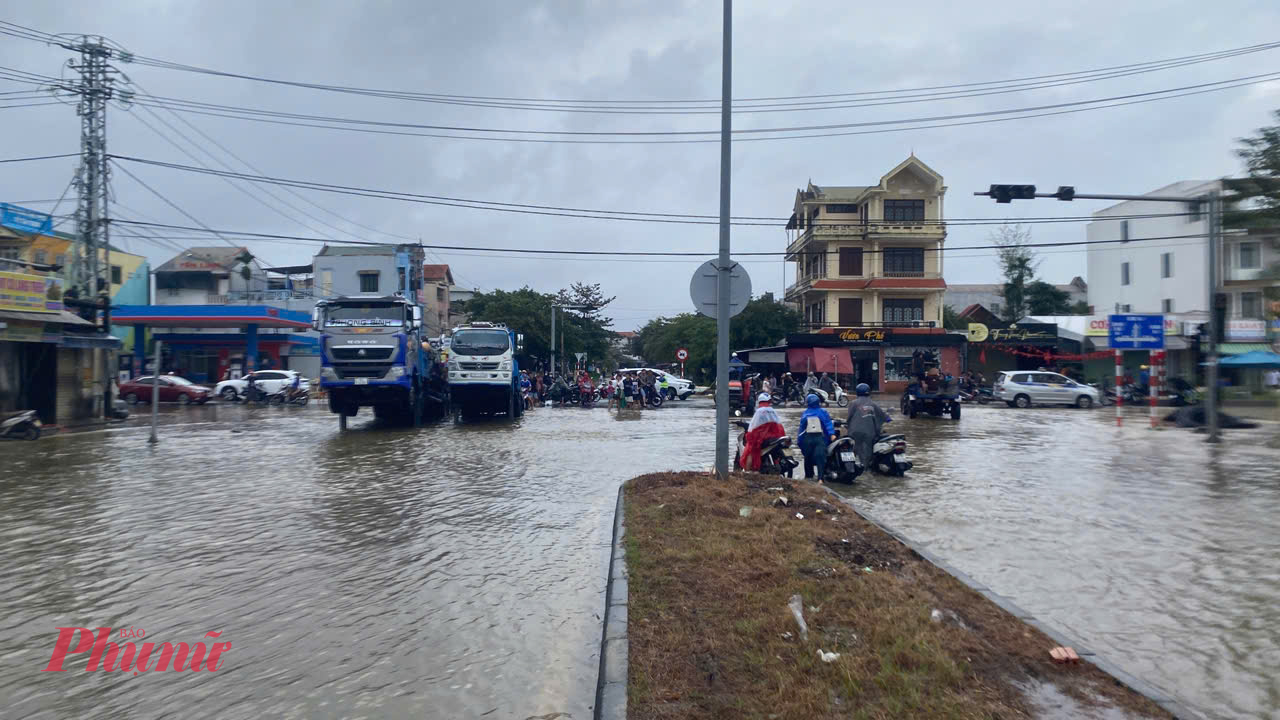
x: 484, y: 375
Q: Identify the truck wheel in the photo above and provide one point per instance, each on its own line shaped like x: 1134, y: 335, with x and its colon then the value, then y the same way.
x: 955, y: 411
x: 511, y: 404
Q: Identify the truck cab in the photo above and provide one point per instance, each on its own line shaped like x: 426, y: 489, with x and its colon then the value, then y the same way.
x: 484, y: 375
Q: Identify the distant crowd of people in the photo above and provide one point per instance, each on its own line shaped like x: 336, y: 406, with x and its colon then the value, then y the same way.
x: 637, y: 388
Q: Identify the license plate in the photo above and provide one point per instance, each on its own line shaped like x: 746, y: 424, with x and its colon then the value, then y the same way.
x: 846, y: 457
x: 362, y: 381
x: 900, y: 457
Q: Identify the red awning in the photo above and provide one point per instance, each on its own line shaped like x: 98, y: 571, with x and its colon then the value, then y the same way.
x: 832, y: 360
x: 800, y: 360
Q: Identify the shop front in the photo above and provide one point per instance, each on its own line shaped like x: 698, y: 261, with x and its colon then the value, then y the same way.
x: 885, y: 358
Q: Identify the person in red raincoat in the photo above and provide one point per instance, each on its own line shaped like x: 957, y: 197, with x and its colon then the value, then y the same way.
x: 765, y: 426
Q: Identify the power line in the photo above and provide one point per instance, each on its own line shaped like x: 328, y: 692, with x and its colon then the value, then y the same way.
x: 590, y: 213
x: 39, y: 157
x: 644, y: 253
x: 245, y: 113
x: 173, y: 205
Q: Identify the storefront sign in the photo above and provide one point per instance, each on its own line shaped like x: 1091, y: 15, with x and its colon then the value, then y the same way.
x: 1099, y: 326
x: 30, y: 293
x: 28, y: 221
x: 978, y: 332
x: 1025, y: 333
x: 1246, y: 330
x: 861, y: 335
x: 19, y: 331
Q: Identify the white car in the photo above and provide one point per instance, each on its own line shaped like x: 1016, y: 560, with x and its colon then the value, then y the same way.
x: 1023, y: 388
x: 677, y: 386
x: 269, y: 380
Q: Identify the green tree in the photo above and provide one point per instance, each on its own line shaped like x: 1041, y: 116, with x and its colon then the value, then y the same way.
x: 1253, y: 202
x: 1081, y: 307
x: 1045, y: 299
x: 763, y: 322
x: 951, y: 320
x: 525, y: 311
x: 1017, y: 264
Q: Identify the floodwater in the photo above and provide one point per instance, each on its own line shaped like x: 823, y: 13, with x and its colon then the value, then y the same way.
x: 452, y: 571
x: 1159, y: 552
x: 458, y: 570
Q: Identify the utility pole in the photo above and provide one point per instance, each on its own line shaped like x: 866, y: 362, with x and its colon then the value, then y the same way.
x: 724, y: 267
x: 1211, y: 363
x: 92, y: 213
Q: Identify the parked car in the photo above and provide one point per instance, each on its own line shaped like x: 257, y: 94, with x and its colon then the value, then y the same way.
x: 1025, y: 388
x: 171, y: 387
x: 679, y: 387
x: 270, y: 381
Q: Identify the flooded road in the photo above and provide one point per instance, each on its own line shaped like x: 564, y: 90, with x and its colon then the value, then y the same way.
x: 459, y: 570
x: 452, y: 571
x: 1158, y: 552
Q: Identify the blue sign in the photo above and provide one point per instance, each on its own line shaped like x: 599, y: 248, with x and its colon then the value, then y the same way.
x: 1136, y: 332
x: 20, y: 218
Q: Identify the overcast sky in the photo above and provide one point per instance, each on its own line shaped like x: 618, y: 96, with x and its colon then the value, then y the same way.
x: 644, y: 51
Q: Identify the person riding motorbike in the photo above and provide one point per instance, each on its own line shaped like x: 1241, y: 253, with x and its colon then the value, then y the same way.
x: 864, y: 423
x: 560, y: 390
x: 932, y: 380
x: 816, y: 430
x: 765, y: 426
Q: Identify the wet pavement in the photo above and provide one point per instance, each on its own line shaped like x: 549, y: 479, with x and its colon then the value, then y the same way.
x: 1159, y: 552
x: 459, y: 570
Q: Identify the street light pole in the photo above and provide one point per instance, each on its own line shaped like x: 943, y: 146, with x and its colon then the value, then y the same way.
x: 724, y: 266
x: 1213, y: 200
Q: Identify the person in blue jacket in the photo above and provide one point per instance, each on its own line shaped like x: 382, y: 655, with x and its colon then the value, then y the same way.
x: 816, y: 430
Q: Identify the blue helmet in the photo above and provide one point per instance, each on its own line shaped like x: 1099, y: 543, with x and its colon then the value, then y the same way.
x: 863, y: 389
x: 811, y: 400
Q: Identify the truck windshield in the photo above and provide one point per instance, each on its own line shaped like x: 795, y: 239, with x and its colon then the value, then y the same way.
x: 364, y: 315
x: 480, y: 342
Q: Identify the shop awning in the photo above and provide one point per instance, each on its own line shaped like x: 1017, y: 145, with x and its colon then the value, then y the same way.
x: 62, y: 316
x: 832, y: 360
x: 801, y: 360
x: 1242, y: 348
x: 91, y: 342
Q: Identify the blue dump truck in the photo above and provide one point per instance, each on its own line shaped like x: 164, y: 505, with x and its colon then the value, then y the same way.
x: 372, y: 354
x: 484, y: 375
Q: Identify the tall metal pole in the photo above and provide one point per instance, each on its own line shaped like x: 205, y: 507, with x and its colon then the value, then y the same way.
x: 155, y: 396
x: 1211, y: 372
x: 553, y: 340
x: 724, y: 267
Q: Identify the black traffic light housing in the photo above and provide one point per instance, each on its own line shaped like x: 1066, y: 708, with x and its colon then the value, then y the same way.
x: 1009, y: 193
x: 1220, y: 301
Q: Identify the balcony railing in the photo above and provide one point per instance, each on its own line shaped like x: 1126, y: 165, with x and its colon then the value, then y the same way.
x: 239, y: 296
x: 807, y: 281
x: 815, y: 326
x: 905, y: 274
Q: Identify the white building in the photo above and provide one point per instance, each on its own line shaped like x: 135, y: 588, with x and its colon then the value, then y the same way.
x: 1159, y: 264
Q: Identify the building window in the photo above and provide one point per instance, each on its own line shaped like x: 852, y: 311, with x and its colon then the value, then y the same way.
x: 902, y: 262
x: 1193, y: 211
x: 1124, y: 231
x: 10, y: 253
x: 1124, y: 273
x: 117, y: 274
x: 995, y: 309
x: 39, y: 257
x: 903, y: 210
x: 1250, y: 256
x: 439, y: 294
x: 851, y: 261
x: 1166, y: 265
x: 1251, y: 305
x: 903, y: 310
x: 1126, y: 308
x: 839, y: 208
x: 60, y: 260
x: 1166, y: 305
x: 368, y: 281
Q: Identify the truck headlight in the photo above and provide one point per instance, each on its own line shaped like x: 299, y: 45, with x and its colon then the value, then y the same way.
x: 453, y: 365
x: 328, y: 373
x: 396, y: 371
x: 505, y: 365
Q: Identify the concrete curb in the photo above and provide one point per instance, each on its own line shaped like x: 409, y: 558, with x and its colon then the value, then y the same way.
x: 1173, y: 707
x: 611, y: 687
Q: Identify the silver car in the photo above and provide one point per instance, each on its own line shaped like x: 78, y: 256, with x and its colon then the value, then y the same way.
x: 1023, y: 388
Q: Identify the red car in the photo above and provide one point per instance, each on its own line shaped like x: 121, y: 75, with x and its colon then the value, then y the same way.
x: 171, y: 387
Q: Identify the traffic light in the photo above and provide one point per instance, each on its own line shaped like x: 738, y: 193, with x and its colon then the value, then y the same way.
x: 1065, y: 192
x: 1009, y: 193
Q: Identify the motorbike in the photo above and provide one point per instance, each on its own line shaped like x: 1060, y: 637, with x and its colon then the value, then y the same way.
x: 286, y: 396
x: 842, y: 458
x: 889, y: 455
x: 655, y: 398
x: 776, y: 457
x: 23, y: 425
x: 980, y: 395
x: 587, y: 396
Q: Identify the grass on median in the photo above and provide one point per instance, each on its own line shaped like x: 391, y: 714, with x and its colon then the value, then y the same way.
x: 708, y: 621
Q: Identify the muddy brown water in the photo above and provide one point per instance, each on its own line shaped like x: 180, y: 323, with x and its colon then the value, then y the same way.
x: 458, y: 570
